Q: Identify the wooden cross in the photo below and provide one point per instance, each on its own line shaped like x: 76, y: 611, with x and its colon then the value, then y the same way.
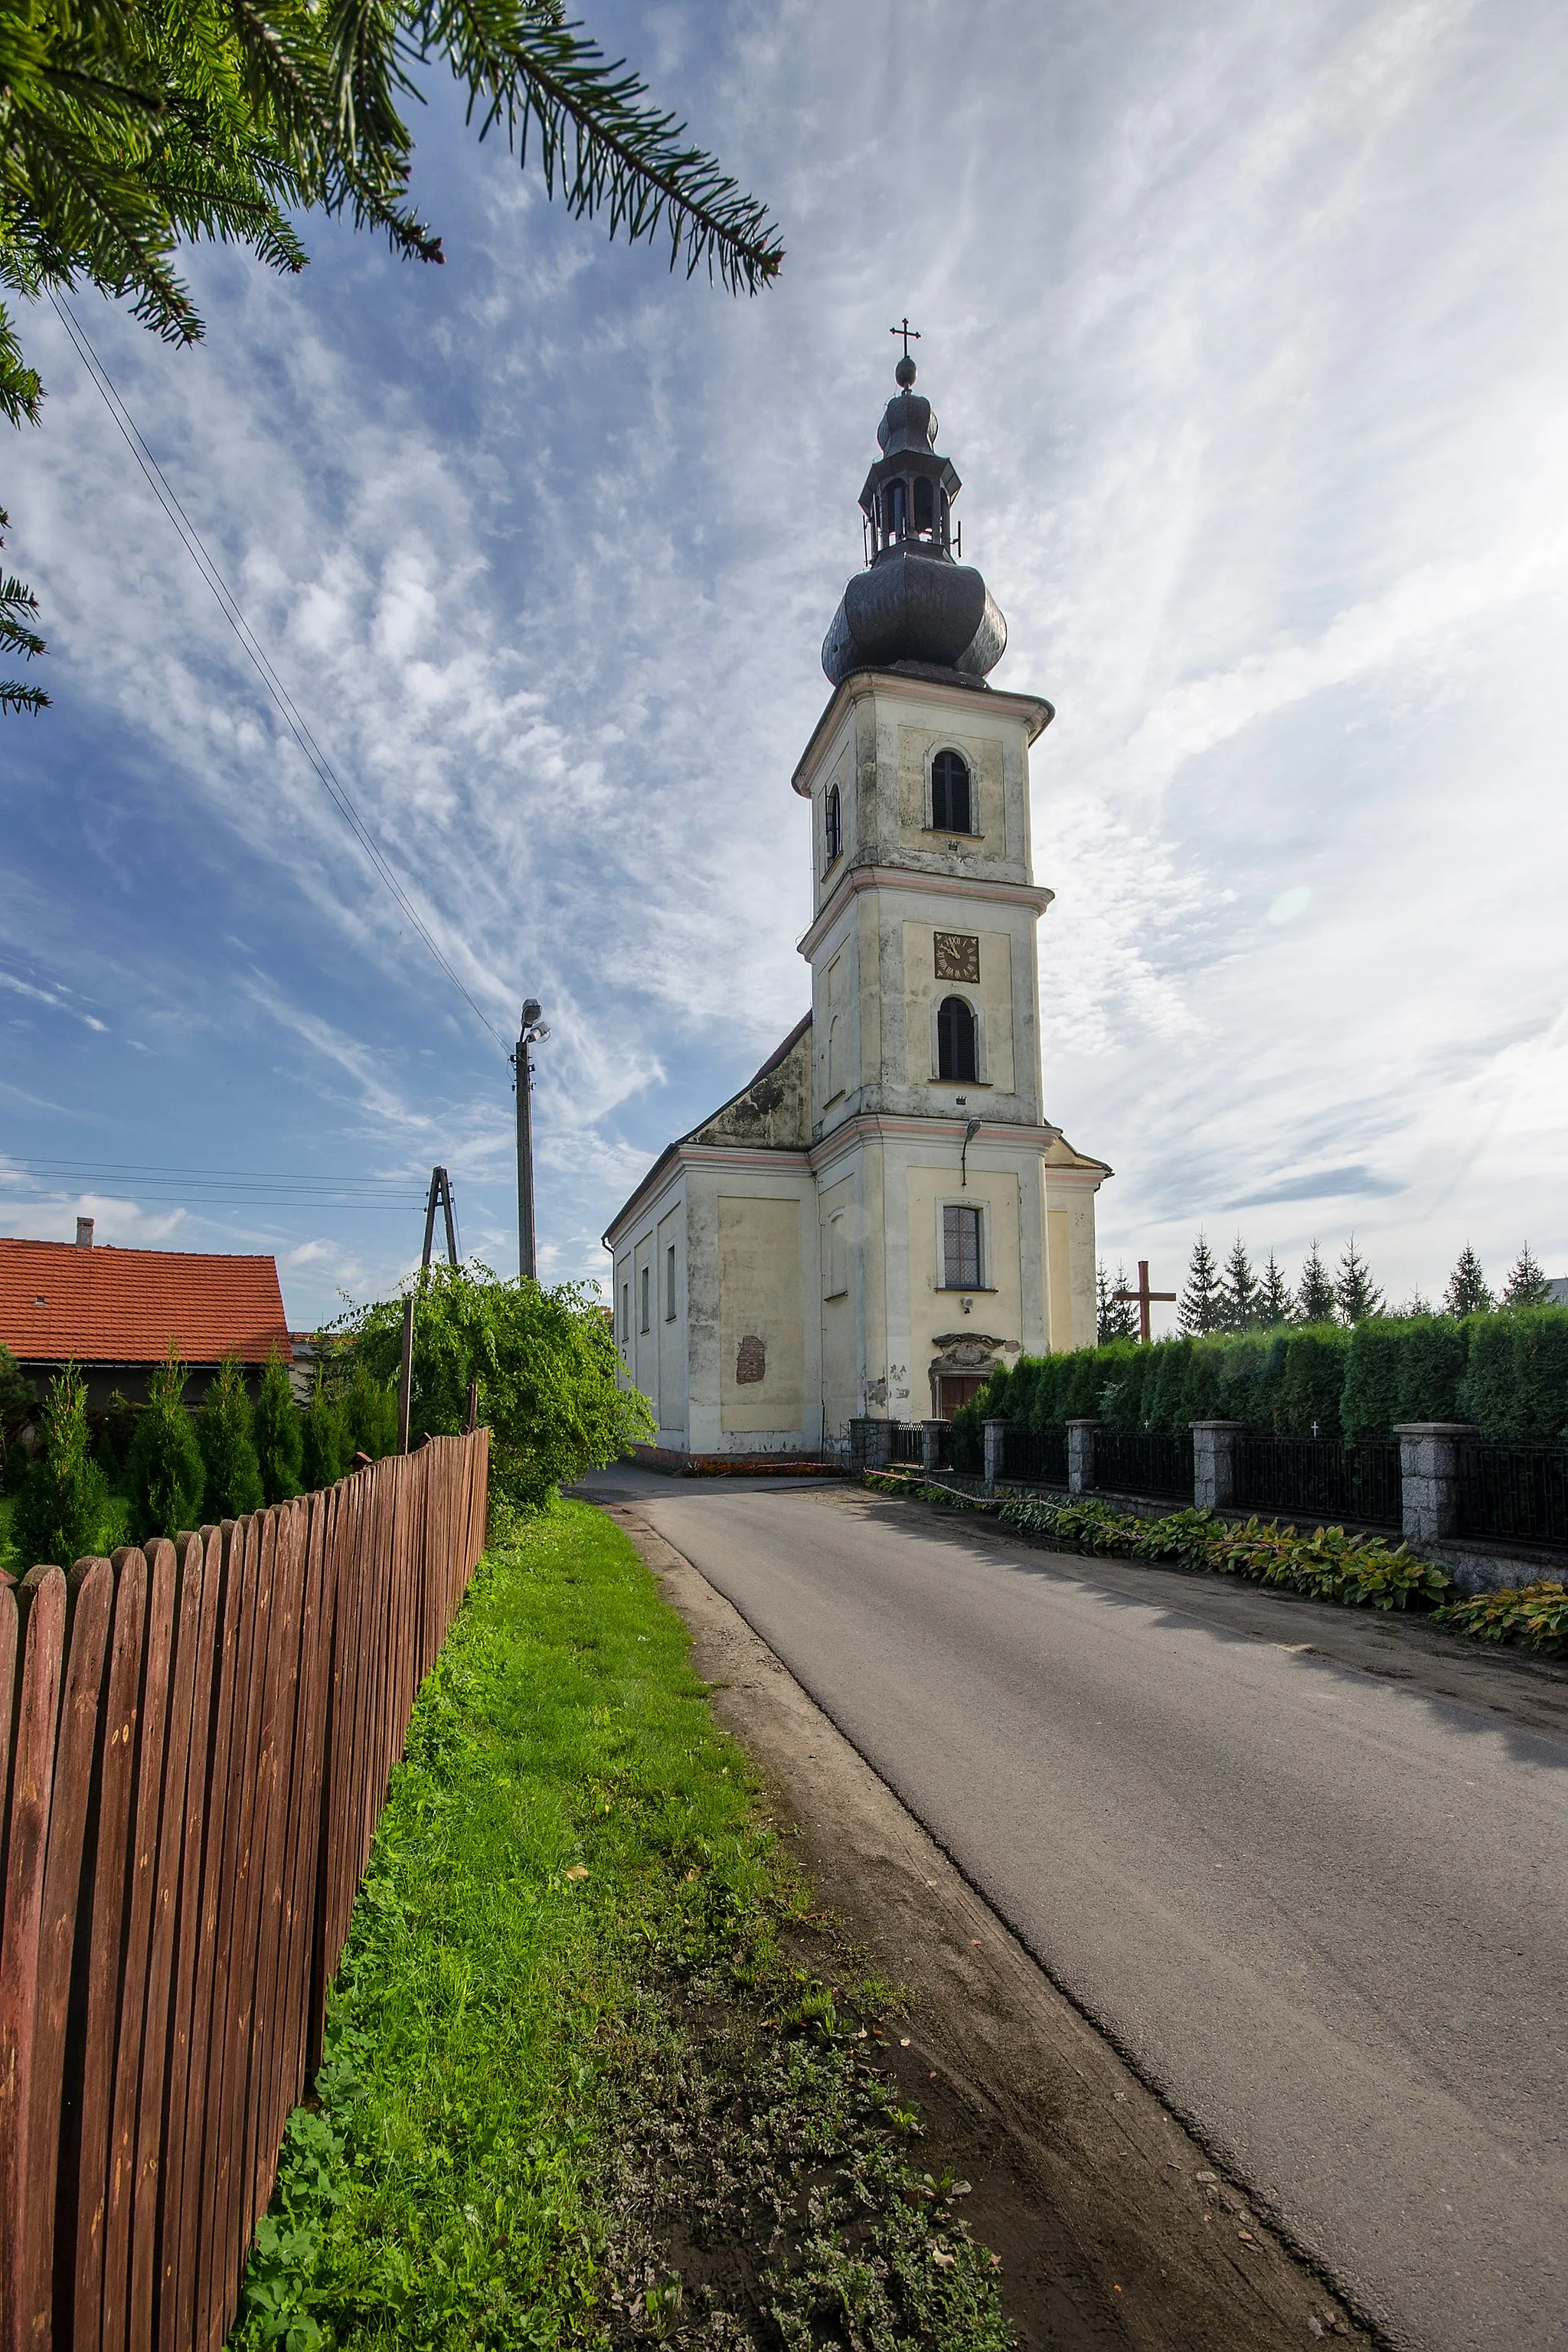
x: 910, y: 335
x: 1145, y: 1297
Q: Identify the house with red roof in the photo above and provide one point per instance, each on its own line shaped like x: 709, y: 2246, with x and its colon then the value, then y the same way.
x: 114, y: 1311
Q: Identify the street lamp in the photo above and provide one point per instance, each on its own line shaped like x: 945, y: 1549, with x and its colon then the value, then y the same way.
x: 530, y: 1034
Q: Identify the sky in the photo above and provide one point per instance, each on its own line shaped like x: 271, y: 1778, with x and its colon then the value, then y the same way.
x: 1244, y: 325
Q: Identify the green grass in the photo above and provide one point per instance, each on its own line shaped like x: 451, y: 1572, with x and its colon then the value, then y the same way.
x: 580, y: 2085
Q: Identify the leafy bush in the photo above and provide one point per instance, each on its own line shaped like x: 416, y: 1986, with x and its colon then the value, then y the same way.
x: 164, y: 1471
x: 226, y: 1432
x: 279, y: 1434
x: 1357, y: 1571
x: 1539, y: 1373
x: 548, y: 1374
x: 63, y: 1502
x: 1533, y: 1616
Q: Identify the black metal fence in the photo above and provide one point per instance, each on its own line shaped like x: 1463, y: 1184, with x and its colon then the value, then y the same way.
x: 1034, y: 1453
x: 1144, y: 1461
x: 1514, y: 1491
x: 1321, y: 1477
x: 906, y: 1442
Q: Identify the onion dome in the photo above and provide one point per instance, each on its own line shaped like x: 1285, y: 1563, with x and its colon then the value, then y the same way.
x: 915, y: 607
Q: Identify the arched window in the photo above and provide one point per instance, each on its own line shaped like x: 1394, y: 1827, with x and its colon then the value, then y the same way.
x: 949, y: 809
x: 898, y: 498
x: 925, y: 503
x: 832, y: 824
x: 956, y: 1057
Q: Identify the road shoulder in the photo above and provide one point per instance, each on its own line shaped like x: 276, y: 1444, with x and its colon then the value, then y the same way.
x: 1113, y: 2224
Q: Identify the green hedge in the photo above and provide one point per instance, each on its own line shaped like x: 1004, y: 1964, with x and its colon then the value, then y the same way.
x: 1508, y: 1373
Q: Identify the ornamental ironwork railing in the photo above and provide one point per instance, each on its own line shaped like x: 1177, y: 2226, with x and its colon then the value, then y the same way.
x: 1034, y: 1453
x: 1320, y: 1477
x: 1144, y: 1461
x: 1514, y: 1491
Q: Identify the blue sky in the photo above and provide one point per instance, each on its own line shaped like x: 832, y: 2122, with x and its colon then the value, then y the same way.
x: 1244, y: 327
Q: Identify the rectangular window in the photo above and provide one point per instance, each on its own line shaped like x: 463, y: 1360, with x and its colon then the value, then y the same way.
x: 961, y: 1249
x: 646, y: 1322
x: 669, y: 1284
x: 625, y: 1312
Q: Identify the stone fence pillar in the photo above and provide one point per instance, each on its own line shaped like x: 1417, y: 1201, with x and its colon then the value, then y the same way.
x: 1214, y: 1463
x: 994, y: 1432
x: 1081, y: 1456
x: 1429, y: 1477
x: 930, y: 1445
x: 870, y: 1444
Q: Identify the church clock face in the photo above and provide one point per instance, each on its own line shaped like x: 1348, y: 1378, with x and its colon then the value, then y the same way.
x: 957, y: 957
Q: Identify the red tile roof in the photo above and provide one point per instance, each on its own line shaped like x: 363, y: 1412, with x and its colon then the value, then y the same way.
x: 107, y: 1305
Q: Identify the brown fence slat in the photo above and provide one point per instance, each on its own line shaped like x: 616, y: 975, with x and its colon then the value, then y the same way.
x: 90, y: 1597
x: 110, y: 1901
x: 41, y: 1613
x: 195, y: 1744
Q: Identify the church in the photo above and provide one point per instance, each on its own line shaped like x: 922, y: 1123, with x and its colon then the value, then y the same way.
x: 884, y: 1211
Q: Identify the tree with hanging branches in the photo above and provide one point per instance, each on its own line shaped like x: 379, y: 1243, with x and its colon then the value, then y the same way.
x: 129, y: 128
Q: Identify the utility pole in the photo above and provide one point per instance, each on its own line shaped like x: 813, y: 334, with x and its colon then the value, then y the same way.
x: 530, y: 1034
x: 440, y: 1190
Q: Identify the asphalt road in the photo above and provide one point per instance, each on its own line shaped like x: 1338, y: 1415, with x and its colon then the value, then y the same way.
x: 1324, y: 1912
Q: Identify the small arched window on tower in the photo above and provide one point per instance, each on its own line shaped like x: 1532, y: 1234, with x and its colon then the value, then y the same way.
x: 897, y: 496
x: 955, y: 1042
x: 950, y: 794
x: 925, y: 503
x: 832, y: 824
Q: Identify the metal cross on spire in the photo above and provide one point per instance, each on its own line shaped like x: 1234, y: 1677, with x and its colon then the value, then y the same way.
x: 910, y: 335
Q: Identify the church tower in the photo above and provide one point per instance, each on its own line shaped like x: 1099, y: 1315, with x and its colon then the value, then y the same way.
x: 884, y: 1213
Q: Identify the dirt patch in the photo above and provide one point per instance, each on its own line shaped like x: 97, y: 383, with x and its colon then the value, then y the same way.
x: 1113, y: 2225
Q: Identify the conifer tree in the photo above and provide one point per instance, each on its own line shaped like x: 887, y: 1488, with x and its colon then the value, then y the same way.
x: 1202, y: 1300
x: 225, y: 1431
x: 1467, y: 1292
x: 328, y: 1449
x: 1275, y: 1303
x: 369, y: 1408
x: 164, y: 1469
x: 279, y: 1436
x: 1239, y: 1302
x: 1355, y: 1293
x: 17, y: 1401
x: 60, y: 1511
x: 1117, y: 1318
x: 1315, y: 1298
x: 1526, y: 1285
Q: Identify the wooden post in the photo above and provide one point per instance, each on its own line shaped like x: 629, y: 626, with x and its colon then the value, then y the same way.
x: 405, y: 1377
x: 473, y: 1421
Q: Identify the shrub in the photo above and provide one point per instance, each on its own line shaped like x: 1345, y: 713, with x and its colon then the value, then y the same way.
x: 1540, y: 1373
x: 226, y: 1432
x: 164, y: 1472
x: 369, y: 1408
x: 1313, y: 1379
x: 1533, y: 1616
x: 1431, y: 1367
x: 62, y: 1504
x: 17, y: 1401
x: 279, y: 1434
x: 548, y: 1374
x: 1165, y: 1385
x: 1486, y: 1391
x: 327, y: 1447
x: 1369, y: 1401
x: 1123, y: 1367
x: 1360, y: 1571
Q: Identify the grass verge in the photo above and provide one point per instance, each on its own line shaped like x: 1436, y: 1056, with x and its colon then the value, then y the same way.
x: 584, y: 2083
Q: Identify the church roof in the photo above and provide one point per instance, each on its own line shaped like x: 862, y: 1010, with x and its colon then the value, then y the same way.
x: 755, y: 1115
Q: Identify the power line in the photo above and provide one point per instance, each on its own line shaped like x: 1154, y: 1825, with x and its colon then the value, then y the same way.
x: 317, y: 759
x: 256, y: 1186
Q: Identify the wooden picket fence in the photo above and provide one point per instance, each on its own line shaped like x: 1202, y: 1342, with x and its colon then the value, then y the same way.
x: 195, y: 1745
